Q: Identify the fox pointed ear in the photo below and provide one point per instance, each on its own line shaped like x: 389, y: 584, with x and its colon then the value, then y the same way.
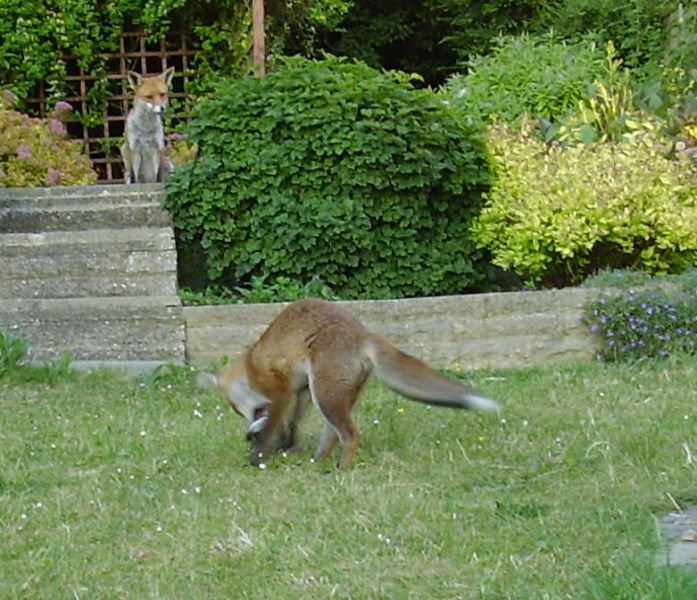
x: 134, y: 79
x: 168, y: 75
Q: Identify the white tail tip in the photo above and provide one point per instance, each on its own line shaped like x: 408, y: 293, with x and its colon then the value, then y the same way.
x: 483, y: 403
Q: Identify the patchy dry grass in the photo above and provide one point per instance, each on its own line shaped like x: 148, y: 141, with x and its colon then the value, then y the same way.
x: 115, y: 488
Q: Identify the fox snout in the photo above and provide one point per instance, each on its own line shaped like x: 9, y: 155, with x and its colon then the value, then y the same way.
x: 157, y: 108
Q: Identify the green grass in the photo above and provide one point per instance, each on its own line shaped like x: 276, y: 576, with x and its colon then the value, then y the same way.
x: 115, y: 488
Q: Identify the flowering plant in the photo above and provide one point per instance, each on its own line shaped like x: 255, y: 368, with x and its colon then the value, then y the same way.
x: 650, y: 323
x: 37, y: 152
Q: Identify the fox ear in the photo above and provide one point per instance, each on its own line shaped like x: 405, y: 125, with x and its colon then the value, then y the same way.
x: 134, y: 79
x: 168, y: 75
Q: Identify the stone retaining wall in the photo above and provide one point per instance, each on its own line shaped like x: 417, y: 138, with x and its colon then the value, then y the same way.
x: 92, y: 271
x: 474, y: 331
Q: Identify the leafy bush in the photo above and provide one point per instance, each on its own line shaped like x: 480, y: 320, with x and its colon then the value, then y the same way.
x: 282, y: 289
x: 332, y: 170
x: 636, y: 26
x: 526, y: 75
x: 650, y: 323
x: 556, y: 215
x: 37, y: 152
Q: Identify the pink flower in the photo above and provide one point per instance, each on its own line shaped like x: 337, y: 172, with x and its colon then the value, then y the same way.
x: 63, y: 107
x: 56, y: 127
x: 7, y: 98
x: 53, y: 177
x: 23, y: 152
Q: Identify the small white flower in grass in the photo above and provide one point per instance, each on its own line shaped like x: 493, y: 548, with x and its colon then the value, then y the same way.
x: 185, y: 491
x: 23, y: 516
x: 197, y: 413
x: 262, y: 466
x: 143, y: 434
x: 38, y: 505
x: 158, y: 528
x: 197, y: 489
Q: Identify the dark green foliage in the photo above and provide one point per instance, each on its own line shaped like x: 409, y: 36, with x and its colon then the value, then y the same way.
x: 639, y: 28
x: 430, y: 38
x: 282, y: 289
x: 654, y: 322
x: 333, y: 170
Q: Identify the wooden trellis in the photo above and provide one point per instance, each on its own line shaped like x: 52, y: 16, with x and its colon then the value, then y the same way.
x: 102, y: 141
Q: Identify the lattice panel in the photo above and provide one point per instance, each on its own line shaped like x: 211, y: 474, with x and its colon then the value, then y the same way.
x: 102, y: 141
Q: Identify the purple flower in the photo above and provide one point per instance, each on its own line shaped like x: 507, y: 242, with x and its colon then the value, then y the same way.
x: 53, y: 177
x: 63, y: 107
x: 7, y: 98
x: 56, y: 127
x: 23, y: 152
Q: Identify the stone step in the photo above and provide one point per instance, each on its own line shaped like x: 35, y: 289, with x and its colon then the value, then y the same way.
x: 98, y: 329
x: 112, y: 262
x: 78, y: 208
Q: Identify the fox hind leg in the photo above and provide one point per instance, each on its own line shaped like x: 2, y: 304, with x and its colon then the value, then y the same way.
x: 335, y: 401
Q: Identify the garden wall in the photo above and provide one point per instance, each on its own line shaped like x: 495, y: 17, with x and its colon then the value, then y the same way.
x: 92, y: 271
x: 475, y: 331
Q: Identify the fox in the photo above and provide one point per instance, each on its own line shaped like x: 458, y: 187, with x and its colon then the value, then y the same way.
x: 143, y: 149
x: 316, y: 351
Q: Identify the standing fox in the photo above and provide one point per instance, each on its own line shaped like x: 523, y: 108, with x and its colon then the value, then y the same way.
x: 316, y: 350
x: 143, y: 150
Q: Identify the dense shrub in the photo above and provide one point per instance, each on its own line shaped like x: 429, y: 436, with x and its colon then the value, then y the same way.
x: 526, y: 75
x: 639, y: 28
x: 332, y: 170
x: 648, y: 323
x: 555, y: 214
x: 37, y: 152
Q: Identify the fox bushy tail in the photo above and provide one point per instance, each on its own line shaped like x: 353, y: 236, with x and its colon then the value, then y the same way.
x: 414, y: 379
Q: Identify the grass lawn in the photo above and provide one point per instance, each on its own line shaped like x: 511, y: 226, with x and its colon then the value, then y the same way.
x: 111, y: 487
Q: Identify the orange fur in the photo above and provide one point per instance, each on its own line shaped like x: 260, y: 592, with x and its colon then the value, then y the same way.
x: 316, y: 350
x: 143, y: 150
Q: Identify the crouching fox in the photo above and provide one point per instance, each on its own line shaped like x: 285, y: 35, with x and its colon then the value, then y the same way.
x: 319, y: 351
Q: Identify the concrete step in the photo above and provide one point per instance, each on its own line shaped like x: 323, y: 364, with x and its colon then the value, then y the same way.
x: 98, y: 329
x: 112, y: 262
x: 84, y: 207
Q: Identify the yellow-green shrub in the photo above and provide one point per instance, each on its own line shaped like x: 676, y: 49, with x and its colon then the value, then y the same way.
x: 555, y: 215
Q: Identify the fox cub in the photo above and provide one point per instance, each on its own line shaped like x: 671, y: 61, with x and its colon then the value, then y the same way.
x: 143, y: 150
x: 318, y: 351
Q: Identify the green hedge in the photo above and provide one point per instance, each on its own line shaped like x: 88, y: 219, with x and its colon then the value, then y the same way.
x: 334, y: 172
